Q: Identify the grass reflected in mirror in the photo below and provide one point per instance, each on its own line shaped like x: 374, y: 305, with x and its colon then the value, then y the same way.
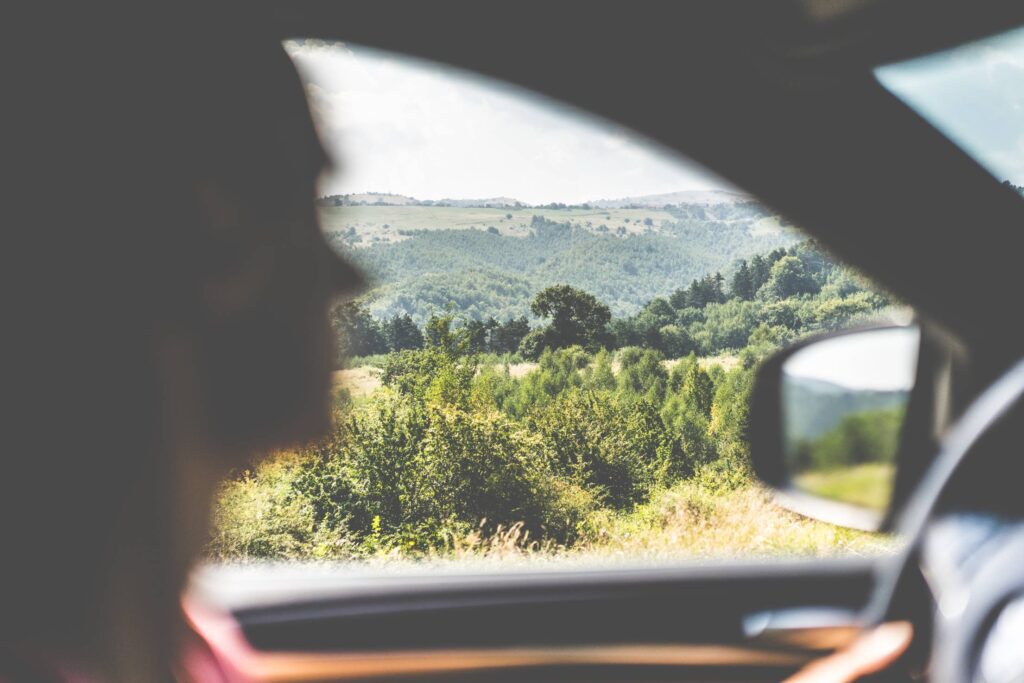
x: 867, y: 485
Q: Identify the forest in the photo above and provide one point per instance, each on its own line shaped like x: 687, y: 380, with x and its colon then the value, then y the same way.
x: 495, y: 268
x: 570, y: 431
x: 770, y: 298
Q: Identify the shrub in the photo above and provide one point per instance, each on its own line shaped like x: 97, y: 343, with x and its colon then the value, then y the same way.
x: 557, y: 372
x: 641, y: 374
x: 600, y: 375
x: 619, y: 451
x: 261, y: 515
x: 411, y: 475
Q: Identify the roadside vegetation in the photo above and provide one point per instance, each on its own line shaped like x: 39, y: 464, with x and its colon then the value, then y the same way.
x: 571, y: 433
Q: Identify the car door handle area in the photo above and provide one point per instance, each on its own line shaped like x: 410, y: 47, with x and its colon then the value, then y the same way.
x: 821, y: 628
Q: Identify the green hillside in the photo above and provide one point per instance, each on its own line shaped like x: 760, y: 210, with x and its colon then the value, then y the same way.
x: 486, y: 261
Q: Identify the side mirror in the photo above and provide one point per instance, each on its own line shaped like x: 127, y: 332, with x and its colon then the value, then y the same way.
x: 826, y: 423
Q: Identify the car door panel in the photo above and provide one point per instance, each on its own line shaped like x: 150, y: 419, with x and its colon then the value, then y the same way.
x: 702, y: 622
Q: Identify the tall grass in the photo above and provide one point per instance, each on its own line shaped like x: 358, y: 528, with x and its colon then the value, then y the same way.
x: 696, y: 519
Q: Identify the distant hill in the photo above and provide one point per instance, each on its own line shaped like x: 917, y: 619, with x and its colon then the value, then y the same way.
x: 650, y: 201
x: 657, y: 201
x: 367, y: 199
x: 390, y: 199
x: 493, y: 202
x: 484, y: 262
x: 819, y: 406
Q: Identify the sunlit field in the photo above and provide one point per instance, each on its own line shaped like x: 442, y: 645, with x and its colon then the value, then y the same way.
x: 577, y: 457
x: 868, y: 484
x: 394, y: 223
x: 258, y: 519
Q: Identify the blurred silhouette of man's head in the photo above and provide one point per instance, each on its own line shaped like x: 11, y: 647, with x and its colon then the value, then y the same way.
x: 170, y: 313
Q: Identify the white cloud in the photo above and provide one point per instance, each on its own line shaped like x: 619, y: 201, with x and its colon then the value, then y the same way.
x: 430, y: 131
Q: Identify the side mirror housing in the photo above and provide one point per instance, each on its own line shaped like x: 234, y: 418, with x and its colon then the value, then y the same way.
x: 826, y: 423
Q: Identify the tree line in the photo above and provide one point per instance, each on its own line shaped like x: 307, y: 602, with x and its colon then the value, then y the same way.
x: 770, y: 298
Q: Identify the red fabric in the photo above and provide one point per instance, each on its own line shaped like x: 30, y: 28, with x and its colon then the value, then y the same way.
x: 216, y: 650
x: 199, y: 664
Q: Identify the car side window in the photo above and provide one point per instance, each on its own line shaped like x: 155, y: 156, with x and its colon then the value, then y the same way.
x: 554, y: 355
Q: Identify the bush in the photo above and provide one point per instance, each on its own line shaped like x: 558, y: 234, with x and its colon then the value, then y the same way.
x: 534, y: 343
x: 600, y: 375
x: 619, y: 451
x: 412, y: 471
x: 261, y: 515
x: 557, y: 372
x: 482, y: 470
x: 642, y: 375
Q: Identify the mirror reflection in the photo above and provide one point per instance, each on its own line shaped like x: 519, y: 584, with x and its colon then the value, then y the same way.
x: 843, y: 405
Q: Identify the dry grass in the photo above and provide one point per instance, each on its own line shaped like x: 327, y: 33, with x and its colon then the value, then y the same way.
x: 257, y: 517
x: 364, y: 380
x: 361, y: 381
x: 513, y: 542
x: 684, y: 523
x: 726, y: 361
x: 519, y: 370
x: 692, y: 521
x: 386, y: 224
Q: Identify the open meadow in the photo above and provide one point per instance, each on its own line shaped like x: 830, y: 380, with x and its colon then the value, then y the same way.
x: 377, y: 224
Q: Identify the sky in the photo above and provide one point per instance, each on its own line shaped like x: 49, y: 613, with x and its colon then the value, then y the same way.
x: 872, y: 361
x: 397, y: 124
x: 974, y: 94
x: 422, y: 129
